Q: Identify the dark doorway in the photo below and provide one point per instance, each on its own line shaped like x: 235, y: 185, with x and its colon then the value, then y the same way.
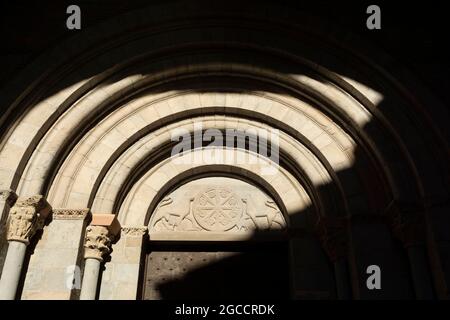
x: 211, y: 271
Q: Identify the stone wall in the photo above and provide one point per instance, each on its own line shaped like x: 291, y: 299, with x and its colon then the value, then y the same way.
x: 120, y: 278
x: 49, y: 272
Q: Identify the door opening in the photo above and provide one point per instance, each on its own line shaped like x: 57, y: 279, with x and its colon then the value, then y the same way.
x: 217, y: 271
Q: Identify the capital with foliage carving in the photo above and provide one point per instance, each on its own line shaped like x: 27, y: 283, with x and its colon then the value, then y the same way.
x: 26, y: 217
x: 97, y: 242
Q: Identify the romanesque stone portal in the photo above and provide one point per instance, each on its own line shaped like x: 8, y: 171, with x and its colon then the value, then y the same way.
x: 178, y: 129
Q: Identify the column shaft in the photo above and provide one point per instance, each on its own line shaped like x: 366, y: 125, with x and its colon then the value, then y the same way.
x: 90, y: 279
x: 333, y: 233
x: 342, y: 280
x: 12, y: 270
x: 420, y: 272
x: 103, y: 229
x: 26, y: 217
x: 408, y: 224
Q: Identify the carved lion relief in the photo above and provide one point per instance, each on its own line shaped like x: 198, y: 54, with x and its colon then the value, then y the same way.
x: 216, y: 209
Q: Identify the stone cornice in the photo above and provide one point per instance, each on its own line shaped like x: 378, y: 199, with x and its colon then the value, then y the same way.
x: 134, y: 231
x: 71, y: 214
x: 107, y: 220
x: 38, y: 203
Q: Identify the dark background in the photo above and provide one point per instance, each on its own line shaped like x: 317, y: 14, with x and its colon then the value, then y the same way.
x: 414, y: 32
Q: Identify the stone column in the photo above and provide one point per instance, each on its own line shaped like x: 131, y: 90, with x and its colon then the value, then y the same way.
x: 334, y: 237
x: 407, y: 224
x: 7, y: 200
x: 99, y: 235
x: 26, y: 217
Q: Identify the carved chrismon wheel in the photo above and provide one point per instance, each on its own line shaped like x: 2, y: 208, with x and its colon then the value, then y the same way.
x: 217, y: 209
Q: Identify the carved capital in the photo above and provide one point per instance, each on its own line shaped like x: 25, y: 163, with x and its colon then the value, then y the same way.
x: 97, y: 242
x: 71, y: 214
x: 8, y: 196
x: 333, y: 235
x: 26, y: 217
x: 407, y: 222
x: 134, y: 231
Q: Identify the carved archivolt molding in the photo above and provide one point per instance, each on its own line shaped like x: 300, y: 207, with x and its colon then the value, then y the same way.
x: 70, y: 214
x: 97, y: 242
x: 134, y: 231
x: 26, y: 217
x: 217, y: 209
